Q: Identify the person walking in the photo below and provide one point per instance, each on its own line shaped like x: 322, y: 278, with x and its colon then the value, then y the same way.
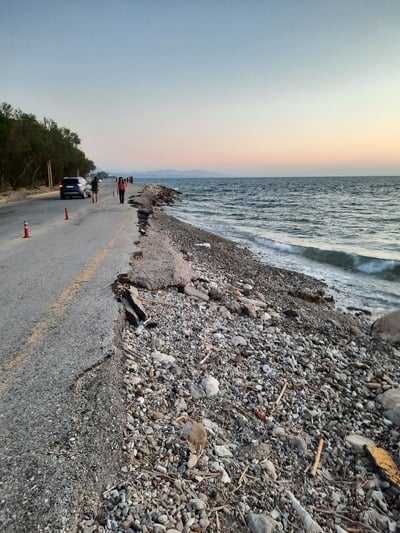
x: 95, y: 189
x: 121, y: 187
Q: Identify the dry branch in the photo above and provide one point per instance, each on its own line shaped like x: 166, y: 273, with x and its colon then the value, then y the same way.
x: 317, y: 458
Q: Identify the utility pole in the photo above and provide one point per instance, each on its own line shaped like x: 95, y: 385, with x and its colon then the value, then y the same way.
x: 49, y: 171
x: 49, y: 174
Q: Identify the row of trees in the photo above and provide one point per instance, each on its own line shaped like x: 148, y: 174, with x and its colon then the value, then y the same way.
x: 34, y: 153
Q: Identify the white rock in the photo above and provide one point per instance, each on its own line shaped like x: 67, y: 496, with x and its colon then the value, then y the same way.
x: 269, y: 467
x: 238, y: 340
x: 198, y: 504
x: 162, y: 358
x: 357, y: 442
x: 222, y: 451
x: 192, y: 461
x: 260, y: 523
x: 210, y: 385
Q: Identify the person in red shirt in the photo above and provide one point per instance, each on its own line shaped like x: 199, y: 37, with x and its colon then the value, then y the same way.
x: 121, y: 188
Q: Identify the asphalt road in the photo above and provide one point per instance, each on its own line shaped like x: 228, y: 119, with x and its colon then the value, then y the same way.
x: 58, y: 318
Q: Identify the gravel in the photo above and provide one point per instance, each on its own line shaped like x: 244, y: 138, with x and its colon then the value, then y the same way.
x: 228, y: 399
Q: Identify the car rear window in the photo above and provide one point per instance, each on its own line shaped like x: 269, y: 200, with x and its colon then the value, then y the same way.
x: 70, y: 181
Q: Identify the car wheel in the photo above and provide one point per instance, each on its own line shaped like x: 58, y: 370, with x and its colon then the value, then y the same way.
x: 83, y: 196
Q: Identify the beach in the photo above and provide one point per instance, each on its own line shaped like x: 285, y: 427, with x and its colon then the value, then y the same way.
x: 251, y: 404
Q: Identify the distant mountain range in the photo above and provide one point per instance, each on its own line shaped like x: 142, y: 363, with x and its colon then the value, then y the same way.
x: 169, y: 173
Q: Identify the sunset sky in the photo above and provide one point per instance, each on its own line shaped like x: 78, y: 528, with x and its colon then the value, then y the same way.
x: 240, y: 87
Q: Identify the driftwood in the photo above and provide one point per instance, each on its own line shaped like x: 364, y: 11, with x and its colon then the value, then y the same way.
x: 317, y: 458
x: 278, y: 400
x: 310, y: 525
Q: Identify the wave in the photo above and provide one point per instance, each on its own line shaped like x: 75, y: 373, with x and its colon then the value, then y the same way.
x: 387, y: 269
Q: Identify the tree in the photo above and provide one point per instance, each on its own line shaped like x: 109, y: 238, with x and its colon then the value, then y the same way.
x: 26, y: 146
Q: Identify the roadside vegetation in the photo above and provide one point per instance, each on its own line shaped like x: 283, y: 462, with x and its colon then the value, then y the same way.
x: 35, y: 154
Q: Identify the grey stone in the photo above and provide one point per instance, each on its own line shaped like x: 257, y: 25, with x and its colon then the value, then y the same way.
x: 387, y: 327
x: 260, y: 523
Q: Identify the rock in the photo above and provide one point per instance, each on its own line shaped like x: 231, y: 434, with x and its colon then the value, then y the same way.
x: 390, y: 399
x: 393, y: 415
x: 298, y: 443
x: 198, y: 504
x: 308, y: 295
x: 253, y: 303
x: 196, y: 434
x: 266, y: 317
x: 268, y: 466
x: 196, y: 392
x: 222, y: 451
x: 391, y: 402
x: 234, y: 307
x: 387, y: 327
x: 291, y: 313
x: 210, y: 385
x: 238, y: 340
x: 192, y: 461
x: 162, y: 358
x: 250, y: 310
x: 260, y: 523
x: 189, y: 290
x: 357, y: 442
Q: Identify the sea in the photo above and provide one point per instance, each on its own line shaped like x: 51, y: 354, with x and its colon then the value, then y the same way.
x: 344, y: 231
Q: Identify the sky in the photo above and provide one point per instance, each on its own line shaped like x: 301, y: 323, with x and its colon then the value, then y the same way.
x: 239, y: 87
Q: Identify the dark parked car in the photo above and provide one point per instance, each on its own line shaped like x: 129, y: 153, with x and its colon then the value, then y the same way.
x: 70, y: 187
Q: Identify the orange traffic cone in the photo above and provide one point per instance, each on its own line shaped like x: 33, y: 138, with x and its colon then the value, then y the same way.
x: 26, y: 230
x: 66, y: 214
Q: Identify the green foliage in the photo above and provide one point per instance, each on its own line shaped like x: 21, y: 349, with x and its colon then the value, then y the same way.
x: 102, y: 175
x: 26, y: 145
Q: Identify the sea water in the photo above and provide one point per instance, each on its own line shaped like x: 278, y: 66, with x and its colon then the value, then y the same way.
x: 344, y: 231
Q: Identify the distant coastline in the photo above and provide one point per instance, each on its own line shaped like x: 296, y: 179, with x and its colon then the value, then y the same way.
x: 200, y: 173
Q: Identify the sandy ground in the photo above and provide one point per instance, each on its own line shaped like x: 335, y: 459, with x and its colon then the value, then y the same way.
x: 23, y: 194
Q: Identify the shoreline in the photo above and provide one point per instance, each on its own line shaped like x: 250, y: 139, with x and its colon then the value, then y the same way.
x: 238, y: 373
x: 360, y: 274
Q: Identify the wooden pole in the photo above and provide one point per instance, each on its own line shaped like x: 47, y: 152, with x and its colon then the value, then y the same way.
x: 49, y: 174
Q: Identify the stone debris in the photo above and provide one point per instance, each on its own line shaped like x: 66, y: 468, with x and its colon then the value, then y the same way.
x: 225, y: 410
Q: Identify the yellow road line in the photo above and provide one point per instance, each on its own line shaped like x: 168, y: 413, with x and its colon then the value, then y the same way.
x: 61, y: 304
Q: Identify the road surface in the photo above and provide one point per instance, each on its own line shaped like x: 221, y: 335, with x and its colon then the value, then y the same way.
x: 59, y: 365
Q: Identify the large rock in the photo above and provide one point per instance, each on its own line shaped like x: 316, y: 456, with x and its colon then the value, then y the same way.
x: 387, y: 327
x: 160, y: 266
x: 391, y: 402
